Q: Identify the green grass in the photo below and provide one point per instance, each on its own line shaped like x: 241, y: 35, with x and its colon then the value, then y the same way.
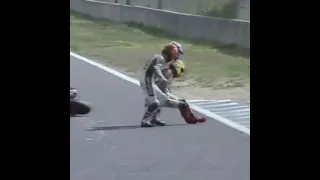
x: 127, y: 46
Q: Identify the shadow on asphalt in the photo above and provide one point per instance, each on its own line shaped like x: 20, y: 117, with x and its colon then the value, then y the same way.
x: 78, y: 115
x: 110, y: 128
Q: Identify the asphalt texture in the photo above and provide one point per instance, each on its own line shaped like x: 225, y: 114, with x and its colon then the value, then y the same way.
x: 109, y: 144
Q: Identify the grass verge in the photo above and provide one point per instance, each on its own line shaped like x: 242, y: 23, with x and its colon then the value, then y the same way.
x: 125, y: 46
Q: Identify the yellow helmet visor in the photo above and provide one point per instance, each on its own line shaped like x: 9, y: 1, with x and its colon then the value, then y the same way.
x: 179, y: 66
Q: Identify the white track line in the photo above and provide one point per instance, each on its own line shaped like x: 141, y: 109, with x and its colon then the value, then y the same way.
x: 136, y: 82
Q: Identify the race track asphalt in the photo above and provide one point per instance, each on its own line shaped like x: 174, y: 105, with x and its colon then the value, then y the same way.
x: 121, y: 150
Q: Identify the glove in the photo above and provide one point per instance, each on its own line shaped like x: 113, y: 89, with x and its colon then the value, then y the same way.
x: 73, y: 93
x: 187, y: 114
x: 166, y: 81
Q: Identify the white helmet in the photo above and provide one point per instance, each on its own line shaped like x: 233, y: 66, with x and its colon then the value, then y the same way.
x: 179, y: 46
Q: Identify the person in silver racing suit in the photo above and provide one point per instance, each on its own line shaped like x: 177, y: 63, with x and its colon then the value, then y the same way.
x: 156, y: 89
x: 152, y: 70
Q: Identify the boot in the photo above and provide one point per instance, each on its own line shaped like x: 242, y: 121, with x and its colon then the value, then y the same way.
x: 188, y: 116
x: 146, y: 124
x: 157, y: 122
x: 201, y: 120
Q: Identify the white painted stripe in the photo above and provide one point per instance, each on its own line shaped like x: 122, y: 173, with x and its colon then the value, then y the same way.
x: 221, y: 119
x: 228, y: 108
x: 247, y: 110
x: 200, y: 101
x: 243, y: 117
x: 245, y: 123
x: 240, y: 121
x: 213, y: 102
x: 134, y: 81
x: 235, y: 115
x: 208, y: 106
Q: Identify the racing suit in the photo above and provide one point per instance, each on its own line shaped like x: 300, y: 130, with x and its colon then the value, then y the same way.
x: 166, y: 99
x: 154, y: 97
x: 157, y: 94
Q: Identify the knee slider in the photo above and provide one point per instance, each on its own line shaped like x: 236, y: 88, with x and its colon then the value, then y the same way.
x: 153, y: 107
